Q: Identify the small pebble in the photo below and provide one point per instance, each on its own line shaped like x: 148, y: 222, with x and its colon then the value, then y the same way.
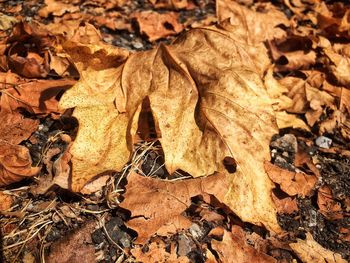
x: 184, y: 245
x: 323, y: 142
x: 285, y: 154
x: 97, y: 236
x: 137, y: 45
x: 287, y: 143
x: 197, y: 232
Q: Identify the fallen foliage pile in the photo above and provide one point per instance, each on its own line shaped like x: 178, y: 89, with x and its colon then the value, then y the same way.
x: 229, y: 143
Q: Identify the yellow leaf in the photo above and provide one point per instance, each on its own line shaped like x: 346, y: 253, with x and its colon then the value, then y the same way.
x: 310, y: 251
x: 208, y: 101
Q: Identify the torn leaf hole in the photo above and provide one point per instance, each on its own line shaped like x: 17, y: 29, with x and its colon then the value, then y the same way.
x: 230, y: 164
x: 147, y: 127
x: 168, y: 26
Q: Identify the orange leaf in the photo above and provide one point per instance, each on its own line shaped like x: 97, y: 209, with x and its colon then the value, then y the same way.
x: 328, y: 206
x: 15, y: 163
x: 154, y: 203
x: 292, y: 183
x: 234, y: 247
x: 156, y: 25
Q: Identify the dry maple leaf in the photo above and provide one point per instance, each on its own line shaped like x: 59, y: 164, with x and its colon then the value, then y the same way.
x: 255, y: 25
x: 156, y: 25
x: 15, y: 163
x: 293, y: 183
x: 37, y: 96
x: 329, y: 207
x: 285, y: 205
x: 208, y: 101
x: 57, y: 8
x: 309, y: 251
x: 234, y: 247
x: 292, y: 53
x: 157, y: 203
x: 157, y: 252
x: 171, y: 4
x: 27, y: 52
x: 340, y: 63
x: 14, y: 128
x: 76, y: 247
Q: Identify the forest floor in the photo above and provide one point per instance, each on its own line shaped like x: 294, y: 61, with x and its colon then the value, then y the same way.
x: 43, y: 220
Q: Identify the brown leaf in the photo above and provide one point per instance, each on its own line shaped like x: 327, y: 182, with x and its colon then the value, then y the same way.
x: 15, y: 163
x: 59, y: 64
x: 344, y: 100
x: 95, y: 185
x: 114, y: 21
x: 293, y: 183
x: 74, y: 248
x: 257, y: 25
x: 297, y: 93
x: 309, y: 251
x: 331, y: 23
x: 28, y: 51
x: 329, y: 207
x: 157, y: 25
x: 337, y: 120
x: 31, y: 66
x: 340, y: 63
x: 277, y: 92
x: 211, y: 80
x: 171, y: 4
x: 292, y: 53
x: 285, y: 205
x: 7, y: 22
x: 14, y: 128
x: 157, y: 252
x: 6, y: 201
x: 155, y: 203
x: 38, y: 97
x: 57, y: 8
x: 7, y: 79
x: 61, y: 170
x: 303, y: 158
x: 285, y: 120
x: 234, y: 246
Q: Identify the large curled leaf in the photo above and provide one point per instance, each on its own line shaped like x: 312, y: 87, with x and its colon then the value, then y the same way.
x: 207, y: 99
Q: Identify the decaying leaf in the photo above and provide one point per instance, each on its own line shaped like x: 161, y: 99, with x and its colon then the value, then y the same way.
x: 37, y: 97
x: 293, y: 183
x: 310, y: 251
x: 285, y: 205
x: 234, y: 247
x: 156, y: 25
x: 157, y: 252
x: 340, y: 63
x: 285, y: 120
x: 6, y: 201
x: 15, y: 163
x: 329, y: 207
x: 207, y: 99
x: 177, y: 4
x: 256, y: 25
x: 6, y: 22
x: 292, y: 53
x: 14, y: 128
x: 76, y: 247
x: 158, y: 203
x: 57, y: 8
x: 28, y: 50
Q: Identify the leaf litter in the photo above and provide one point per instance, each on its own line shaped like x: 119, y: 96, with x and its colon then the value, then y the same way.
x: 304, y: 95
